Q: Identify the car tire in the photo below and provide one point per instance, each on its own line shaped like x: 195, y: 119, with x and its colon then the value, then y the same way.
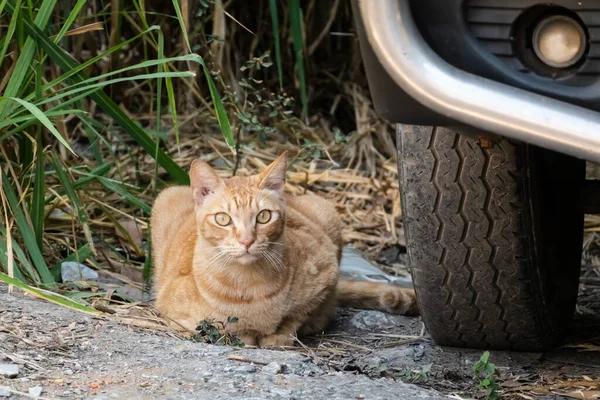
x: 494, y: 237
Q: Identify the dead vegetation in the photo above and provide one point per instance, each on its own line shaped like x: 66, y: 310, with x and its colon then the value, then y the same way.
x: 341, y: 150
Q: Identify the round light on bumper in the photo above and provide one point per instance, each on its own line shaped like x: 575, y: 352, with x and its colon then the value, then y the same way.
x: 559, y: 41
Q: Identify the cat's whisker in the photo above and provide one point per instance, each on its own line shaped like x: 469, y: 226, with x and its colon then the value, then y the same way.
x: 274, y: 259
x: 270, y: 261
x: 276, y: 255
x: 220, y: 255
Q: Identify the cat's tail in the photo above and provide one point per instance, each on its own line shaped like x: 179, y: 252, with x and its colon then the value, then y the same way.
x: 376, y: 296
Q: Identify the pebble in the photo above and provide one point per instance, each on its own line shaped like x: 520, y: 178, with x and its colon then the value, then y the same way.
x: 72, y: 271
x: 372, y: 320
x: 35, y: 391
x: 5, y: 391
x: 9, y: 370
x: 272, y: 368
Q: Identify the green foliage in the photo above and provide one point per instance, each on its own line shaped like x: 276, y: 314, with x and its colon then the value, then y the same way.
x: 257, y: 110
x: 415, y: 375
x: 484, y: 372
x: 298, y: 43
x: 35, y: 107
x: 210, y: 331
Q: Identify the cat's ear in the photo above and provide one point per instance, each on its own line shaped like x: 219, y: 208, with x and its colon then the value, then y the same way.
x: 204, y: 181
x: 273, y: 177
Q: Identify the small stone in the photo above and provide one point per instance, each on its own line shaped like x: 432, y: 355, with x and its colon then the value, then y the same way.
x: 72, y: 271
x: 5, y: 391
x: 68, y: 372
x: 35, y: 391
x: 272, y: 368
x: 372, y: 320
x: 245, y: 369
x: 9, y: 370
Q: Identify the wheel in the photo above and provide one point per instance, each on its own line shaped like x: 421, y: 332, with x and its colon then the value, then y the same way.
x: 493, y: 235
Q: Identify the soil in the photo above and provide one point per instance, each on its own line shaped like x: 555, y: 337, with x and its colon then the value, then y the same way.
x: 363, y: 355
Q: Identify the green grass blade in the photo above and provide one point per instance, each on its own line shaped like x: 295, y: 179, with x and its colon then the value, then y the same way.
x: 214, y: 93
x: 296, y: 27
x: 221, y: 113
x: 94, y: 60
x: 125, y: 194
x: 26, y: 267
x: 22, y: 67
x: 36, y: 112
x: 142, y: 65
x: 26, y: 232
x: 72, y: 15
x: 67, y: 184
x: 39, y: 189
x: 275, y: 23
x: 88, y: 177
x: 181, y: 24
x: 11, y: 31
x: 4, y: 256
x: 67, y: 24
x: 92, y: 88
x: 66, y: 64
x: 28, y: 117
x: 2, y: 4
x: 172, y: 106
x: 60, y: 300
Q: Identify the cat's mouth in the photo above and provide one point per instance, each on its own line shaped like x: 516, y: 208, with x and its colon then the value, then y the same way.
x: 246, y: 258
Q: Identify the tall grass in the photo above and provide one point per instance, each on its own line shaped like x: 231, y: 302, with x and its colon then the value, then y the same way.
x: 41, y: 97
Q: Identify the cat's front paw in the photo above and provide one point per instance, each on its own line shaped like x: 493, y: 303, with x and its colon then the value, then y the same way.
x: 248, y: 340
x: 277, y: 341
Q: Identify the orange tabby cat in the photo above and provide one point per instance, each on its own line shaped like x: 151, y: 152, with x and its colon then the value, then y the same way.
x: 240, y: 247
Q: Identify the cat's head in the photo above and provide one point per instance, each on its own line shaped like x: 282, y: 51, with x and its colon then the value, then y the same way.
x: 241, y: 218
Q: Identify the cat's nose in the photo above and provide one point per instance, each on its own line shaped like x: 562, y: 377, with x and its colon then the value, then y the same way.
x: 246, y: 243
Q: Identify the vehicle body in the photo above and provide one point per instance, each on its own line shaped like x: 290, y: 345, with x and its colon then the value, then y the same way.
x: 498, y: 106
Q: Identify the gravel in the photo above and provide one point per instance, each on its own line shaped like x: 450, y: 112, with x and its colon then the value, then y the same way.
x: 79, y: 356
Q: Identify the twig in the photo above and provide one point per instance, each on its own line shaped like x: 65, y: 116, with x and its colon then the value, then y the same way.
x: 246, y: 360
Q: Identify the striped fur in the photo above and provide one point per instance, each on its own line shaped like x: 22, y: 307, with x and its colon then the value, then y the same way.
x: 278, y: 277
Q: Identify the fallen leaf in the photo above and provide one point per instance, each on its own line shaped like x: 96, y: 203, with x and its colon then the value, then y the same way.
x: 130, y: 232
x: 95, y: 385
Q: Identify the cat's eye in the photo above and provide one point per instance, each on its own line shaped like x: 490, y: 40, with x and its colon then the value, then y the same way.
x: 263, y: 217
x: 222, y: 219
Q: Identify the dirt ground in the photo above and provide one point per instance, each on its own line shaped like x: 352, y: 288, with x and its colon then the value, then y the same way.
x: 364, y: 355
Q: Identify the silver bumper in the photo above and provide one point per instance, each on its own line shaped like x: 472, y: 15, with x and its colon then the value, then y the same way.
x: 470, y: 99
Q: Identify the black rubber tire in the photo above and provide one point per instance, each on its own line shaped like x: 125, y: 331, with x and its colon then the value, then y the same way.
x: 494, y: 237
